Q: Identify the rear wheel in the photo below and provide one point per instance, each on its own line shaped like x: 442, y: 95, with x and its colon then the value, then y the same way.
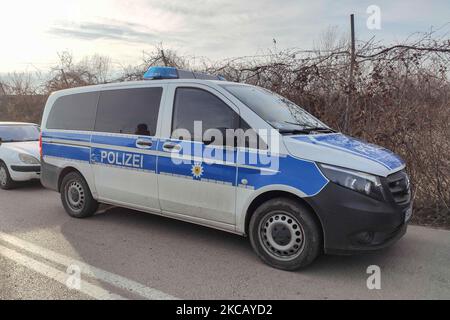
x: 285, y: 234
x: 76, y: 196
x: 5, y: 178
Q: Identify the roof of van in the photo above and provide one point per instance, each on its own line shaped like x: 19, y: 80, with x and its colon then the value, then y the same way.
x: 139, y: 83
x: 10, y: 123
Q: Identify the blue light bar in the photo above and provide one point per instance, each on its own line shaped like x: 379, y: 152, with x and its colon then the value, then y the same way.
x: 154, y: 73
x: 158, y: 73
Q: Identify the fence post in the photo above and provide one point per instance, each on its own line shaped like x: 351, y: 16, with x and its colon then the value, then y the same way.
x: 351, y: 75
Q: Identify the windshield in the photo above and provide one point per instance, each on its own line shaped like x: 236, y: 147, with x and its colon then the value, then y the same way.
x: 19, y: 133
x: 278, y: 111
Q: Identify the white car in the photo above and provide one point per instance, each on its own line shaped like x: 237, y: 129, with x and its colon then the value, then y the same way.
x: 19, y: 153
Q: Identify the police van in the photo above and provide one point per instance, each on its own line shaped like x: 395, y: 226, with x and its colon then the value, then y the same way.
x: 302, y: 189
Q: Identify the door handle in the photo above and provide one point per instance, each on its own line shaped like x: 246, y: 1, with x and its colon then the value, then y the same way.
x: 171, y: 147
x: 143, y: 143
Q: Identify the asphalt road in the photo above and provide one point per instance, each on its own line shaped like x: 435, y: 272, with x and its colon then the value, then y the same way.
x: 121, y: 253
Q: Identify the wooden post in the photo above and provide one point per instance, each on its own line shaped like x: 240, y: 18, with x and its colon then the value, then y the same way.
x: 351, y: 75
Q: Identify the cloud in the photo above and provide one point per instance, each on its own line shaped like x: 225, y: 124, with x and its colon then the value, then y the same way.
x: 193, y: 8
x: 115, y: 30
x: 207, y: 28
x: 219, y: 28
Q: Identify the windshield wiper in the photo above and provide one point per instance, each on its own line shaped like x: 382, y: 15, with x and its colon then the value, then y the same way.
x: 309, y: 127
x: 304, y: 129
x: 321, y: 129
x: 293, y: 131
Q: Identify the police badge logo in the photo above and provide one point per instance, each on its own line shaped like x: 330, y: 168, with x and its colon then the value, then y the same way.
x: 197, y: 170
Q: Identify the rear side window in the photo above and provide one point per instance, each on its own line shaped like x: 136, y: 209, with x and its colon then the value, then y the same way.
x: 129, y: 111
x: 73, y: 112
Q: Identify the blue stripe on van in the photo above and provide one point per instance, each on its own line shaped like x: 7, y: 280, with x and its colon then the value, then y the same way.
x: 129, y: 160
x: 67, y: 152
x: 284, y: 170
x: 209, y: 171
x: 300, y: 174
x: 129, y: 142
x: 213, y: 171
x: 80, y: 137
x: 124, y: 141
x: 341, y: 142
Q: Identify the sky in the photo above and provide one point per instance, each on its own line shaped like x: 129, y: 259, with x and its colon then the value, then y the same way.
x: 32, y: 32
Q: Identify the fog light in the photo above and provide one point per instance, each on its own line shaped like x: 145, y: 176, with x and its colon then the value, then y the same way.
x: 365, y: 237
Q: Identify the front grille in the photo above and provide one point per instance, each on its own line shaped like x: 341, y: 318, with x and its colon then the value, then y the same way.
x: 399, y: 187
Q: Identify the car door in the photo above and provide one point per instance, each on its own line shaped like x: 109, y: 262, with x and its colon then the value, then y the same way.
x: 197, y: 179
x: 123, y: 146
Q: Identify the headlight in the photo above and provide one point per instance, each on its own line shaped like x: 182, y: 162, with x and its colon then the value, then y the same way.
x: 26, y: 158
x: 361, y: 182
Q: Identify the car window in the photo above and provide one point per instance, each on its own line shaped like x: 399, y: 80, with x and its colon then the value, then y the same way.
x: 19, y: 133
x: 278, y: 111
x: 193, y: 104
x: 250, y: 138
x: 129, y: 111
x: 73, y: 112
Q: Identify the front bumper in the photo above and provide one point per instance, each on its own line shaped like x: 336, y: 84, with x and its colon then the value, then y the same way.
x: 355, y: 223
x: 22, y: 168
x: 25, y: 172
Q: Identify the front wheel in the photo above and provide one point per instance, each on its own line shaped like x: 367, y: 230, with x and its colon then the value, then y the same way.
x: 285, y: 234
x: 6, y: 182
x: 76, y: 196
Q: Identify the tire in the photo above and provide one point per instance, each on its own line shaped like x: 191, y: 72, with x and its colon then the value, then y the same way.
x: 6, y: 182
x: 285, y: 234
x: 76, y: 196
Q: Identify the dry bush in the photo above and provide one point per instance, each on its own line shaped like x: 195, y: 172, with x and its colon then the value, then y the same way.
x: 69, y: 74
x: 20, y: 99
x: 400, y: 99
x: 23, y: 95
x: 158, y: 57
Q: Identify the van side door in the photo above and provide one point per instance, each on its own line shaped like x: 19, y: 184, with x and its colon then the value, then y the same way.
x: 197, y: 178
x: 123, y: 146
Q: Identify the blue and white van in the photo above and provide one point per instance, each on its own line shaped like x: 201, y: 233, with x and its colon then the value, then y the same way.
x: 294, y: 186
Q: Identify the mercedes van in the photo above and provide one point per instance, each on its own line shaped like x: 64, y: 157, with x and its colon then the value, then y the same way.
x: 301, y: 190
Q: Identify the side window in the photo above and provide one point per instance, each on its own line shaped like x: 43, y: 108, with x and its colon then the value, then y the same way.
x: 250, y: 137
x: 130, y: 111
x: 74, y: 112
x: 192, y: 104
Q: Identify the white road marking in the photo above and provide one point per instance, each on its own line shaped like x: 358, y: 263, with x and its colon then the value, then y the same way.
x: 90, y: 271
x: 87, y: 288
